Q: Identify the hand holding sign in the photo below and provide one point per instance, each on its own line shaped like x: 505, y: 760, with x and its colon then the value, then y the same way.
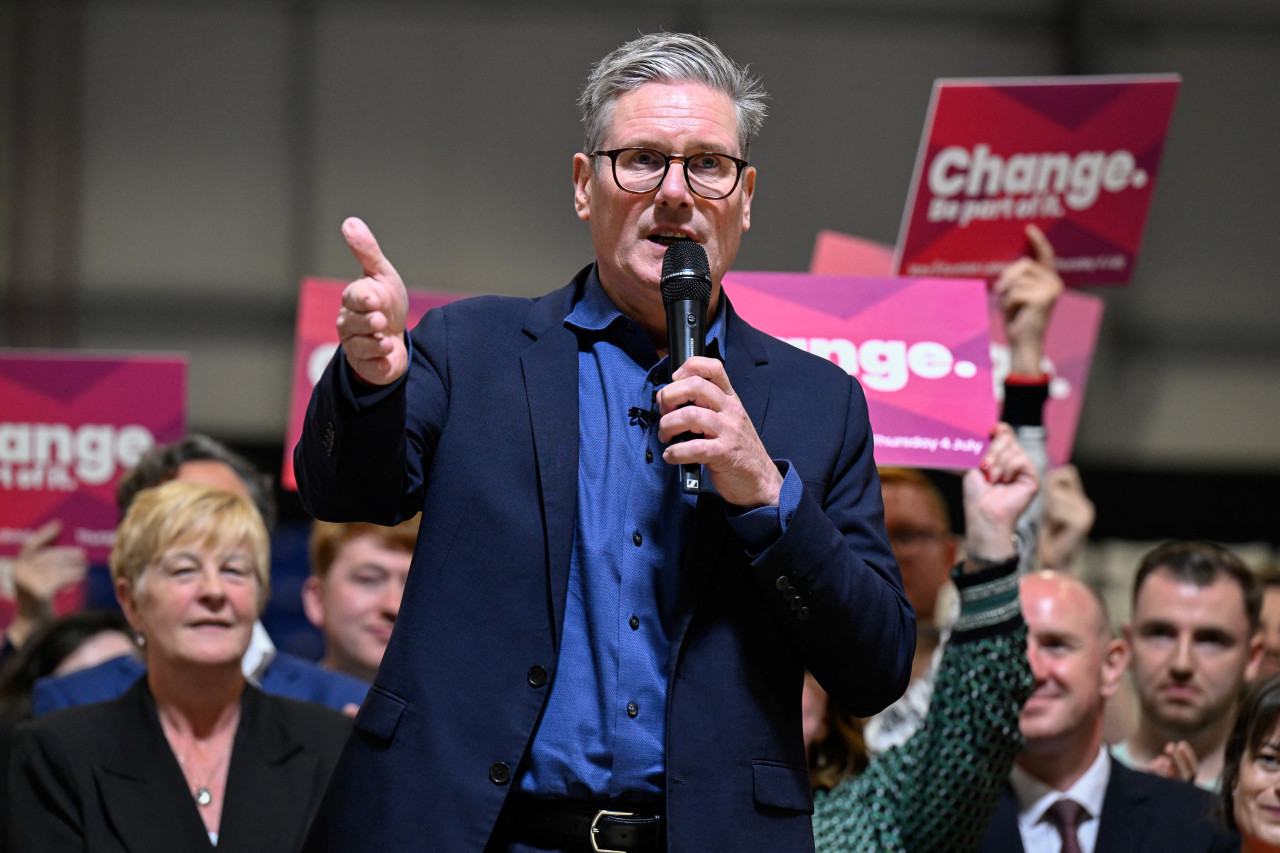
x: 374, y: 312
x: 995, y: 494
x: 1026, y: 291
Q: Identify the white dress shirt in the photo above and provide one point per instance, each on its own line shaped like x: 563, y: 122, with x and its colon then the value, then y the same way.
x: 1034, y: 797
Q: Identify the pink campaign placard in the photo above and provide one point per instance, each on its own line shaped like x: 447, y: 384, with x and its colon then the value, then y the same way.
x: 1068, y: 347
x: 315, y: 341
x: 920, y: 347
x: 1077, y: 156
x: 71, y: 424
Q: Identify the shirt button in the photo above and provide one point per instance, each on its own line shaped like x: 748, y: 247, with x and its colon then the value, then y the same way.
x: 648, y: 454
x: 632, y: 710
x: 634, y: 622
x: 499, y: 774
x: 637, y: 538
x: 537, y: 676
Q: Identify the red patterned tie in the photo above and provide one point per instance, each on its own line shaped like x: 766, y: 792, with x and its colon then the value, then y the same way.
x: 1065, y: 815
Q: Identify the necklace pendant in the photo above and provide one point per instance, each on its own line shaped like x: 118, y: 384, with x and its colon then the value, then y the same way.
x: 203, y: 797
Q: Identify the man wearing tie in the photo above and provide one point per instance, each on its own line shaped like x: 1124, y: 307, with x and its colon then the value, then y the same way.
x: 1066, y: 794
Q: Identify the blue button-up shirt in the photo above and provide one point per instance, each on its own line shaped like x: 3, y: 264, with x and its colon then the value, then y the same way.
x: 603, y: 732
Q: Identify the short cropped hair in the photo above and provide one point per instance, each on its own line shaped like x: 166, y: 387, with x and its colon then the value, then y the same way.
x: 160, y: 464
x: 328, y: 538
x: 1201, y: 564
x: 669, y: 58
x: 177, y: 512
x: 891, y: 476
x: 1257, y: 719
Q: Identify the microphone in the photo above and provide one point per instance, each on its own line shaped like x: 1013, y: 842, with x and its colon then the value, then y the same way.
x: 686, y: 292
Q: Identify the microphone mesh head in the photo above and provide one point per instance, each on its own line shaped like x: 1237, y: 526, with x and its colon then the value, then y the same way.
x: 686, y: 273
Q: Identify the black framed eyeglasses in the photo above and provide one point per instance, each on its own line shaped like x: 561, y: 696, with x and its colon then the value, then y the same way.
x: 642, y: 170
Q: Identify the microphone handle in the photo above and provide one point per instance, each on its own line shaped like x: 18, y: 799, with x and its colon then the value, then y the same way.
x: 686, y: 337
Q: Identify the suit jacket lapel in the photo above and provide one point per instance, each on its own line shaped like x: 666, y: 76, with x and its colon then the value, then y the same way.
x: 144, y: 794
x: 1124, y: 821
x: 550, y: 367
x: 746, y: 358
x: 1004, y: 835
x: 269, y: 772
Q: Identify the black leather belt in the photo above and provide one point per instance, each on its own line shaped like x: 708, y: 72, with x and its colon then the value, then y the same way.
x: 598, y: 827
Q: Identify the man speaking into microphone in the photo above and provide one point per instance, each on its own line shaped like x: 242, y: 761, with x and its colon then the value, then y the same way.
x: 587, y: 656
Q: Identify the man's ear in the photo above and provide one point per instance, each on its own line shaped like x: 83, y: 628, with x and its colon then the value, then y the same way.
x: 1256, y: 648
x: 1115, y: 660
x: 313, y: 601
x: 582, y: 169
x: 748, y: 191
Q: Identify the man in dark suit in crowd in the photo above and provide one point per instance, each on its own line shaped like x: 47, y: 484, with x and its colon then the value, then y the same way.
x: 1066, y: 793
x: 586, y: 656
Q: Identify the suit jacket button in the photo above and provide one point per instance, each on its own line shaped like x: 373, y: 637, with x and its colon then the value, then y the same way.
x: 782, y: 584
x: 499, y: 774
x: 802, y: 614
x: 537, y: 676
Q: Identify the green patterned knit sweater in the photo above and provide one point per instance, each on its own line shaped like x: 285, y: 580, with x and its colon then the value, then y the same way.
x: 936, y: 793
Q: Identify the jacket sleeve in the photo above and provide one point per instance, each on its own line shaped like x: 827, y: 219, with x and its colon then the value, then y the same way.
x: 44, y: 803
x: 832, y: 577
x: 940, y: 789
x: 365, y: 451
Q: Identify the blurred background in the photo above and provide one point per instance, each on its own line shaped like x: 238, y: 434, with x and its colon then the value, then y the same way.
x: 171, y: 170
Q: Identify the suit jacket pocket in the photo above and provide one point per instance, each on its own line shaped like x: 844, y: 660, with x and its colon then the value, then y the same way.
x: 379, y: 715
x: 782, y: 786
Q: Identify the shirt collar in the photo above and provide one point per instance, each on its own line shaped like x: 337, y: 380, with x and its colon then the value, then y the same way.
x: 595, y: 312
x: 1034, y: 796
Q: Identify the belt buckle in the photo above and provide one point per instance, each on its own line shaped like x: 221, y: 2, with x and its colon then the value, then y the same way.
x: 595, y: 830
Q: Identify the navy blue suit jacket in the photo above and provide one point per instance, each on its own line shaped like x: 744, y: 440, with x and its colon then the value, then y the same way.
x: 1141, y: 813
x: 286, y: 675
x: 482, y: 437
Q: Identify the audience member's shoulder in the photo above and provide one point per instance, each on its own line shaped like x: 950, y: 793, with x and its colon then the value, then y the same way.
x: 76, y: 725
x: 1174, y: 798
x: 100, y: 683
x: 316, y: 726
x: 296, y: 678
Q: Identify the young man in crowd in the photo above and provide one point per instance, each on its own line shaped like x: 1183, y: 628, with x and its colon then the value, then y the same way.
x: 1194, y: 642
x: 358, y: 571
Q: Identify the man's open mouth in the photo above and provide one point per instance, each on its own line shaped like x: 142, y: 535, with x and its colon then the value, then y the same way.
x: 668, y: 238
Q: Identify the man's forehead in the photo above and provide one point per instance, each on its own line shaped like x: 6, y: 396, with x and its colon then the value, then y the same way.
x: 214, y: 474
x: 1060, y: 604
x: 1164, y: 595
x: 907, y: 502
x: 647, y: 115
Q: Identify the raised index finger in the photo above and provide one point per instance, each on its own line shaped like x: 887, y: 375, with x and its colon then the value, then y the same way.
x: 1041, y: 248
x: 365, y: 247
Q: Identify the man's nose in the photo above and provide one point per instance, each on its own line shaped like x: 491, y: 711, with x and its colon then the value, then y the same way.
x: 674, y: 188
x: 390, y: 600
x: 1183, y: 662
x: 1039, y: 673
